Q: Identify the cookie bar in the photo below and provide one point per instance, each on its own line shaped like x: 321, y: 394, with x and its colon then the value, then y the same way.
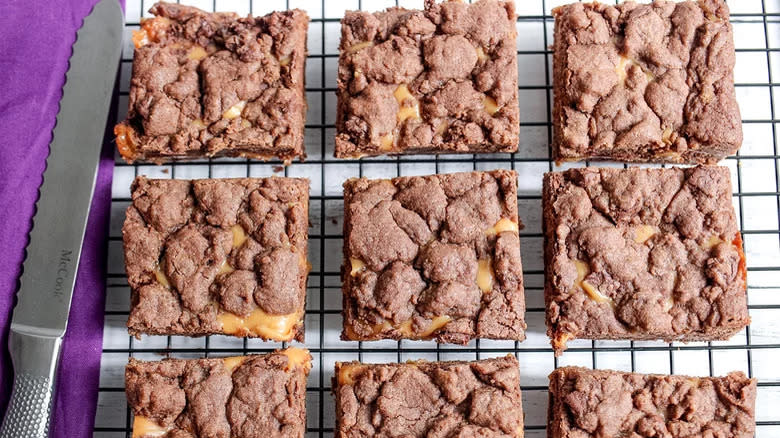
x: 429, y: 399
x: 433, y: 257
x: 248, y: 396
x: 645, y: 82
x: 217, y: 256
x: 642, y: 254
x: 213, y: 84
x: 600, y: 403
x: 440, y: 80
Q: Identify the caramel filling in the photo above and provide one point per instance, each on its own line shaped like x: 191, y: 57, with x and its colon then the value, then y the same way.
x: 438, y: 322
x: 669, y: 156
x: 485, y: 275
x: 622, y: 69
x: 124, y: 140
x: 347, y: 373
x: 402, y: 93
x: 161, y: 277
x: 382, y: 327
x: 502, y: 225
x: 386, y: 142
x: 357, y: 266
x: 231, y: 363
x: 197, y: 53
x: 481, y: 55
x: 297, y: 358
x: 561, y: 338
x: 409, y: 107
x: 712, y: 17
x: 350, y: 332
x: 140, y: 39
x: 239, y: 235
x: 491, y: 107
x: 198, y: 124
x: 260, y: 323
x: 668, y: 136
x: 405, y: 328
x: 360, y: 46
x: 145, y: 427
x: 442, y: 128
x: 583, y: 270
x: 285, y: 60
x: 595, y: 294
x: 643, y: 233
x: 234, y: 111
x: 225, y: 268
x: 407, y: 112
x: 712, y: 242
x: 151, y: 31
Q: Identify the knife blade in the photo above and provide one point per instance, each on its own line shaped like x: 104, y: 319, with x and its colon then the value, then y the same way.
x: 40, y: 317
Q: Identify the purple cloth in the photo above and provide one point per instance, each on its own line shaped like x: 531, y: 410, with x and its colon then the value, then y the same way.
x: 35, y: 43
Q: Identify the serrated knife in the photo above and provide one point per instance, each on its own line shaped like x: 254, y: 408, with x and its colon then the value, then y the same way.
x: 41, y: 314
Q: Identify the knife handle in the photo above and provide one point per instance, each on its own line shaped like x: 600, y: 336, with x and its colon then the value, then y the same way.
x: 35, y: 362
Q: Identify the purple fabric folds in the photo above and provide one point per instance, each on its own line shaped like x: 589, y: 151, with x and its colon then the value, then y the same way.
x: 35, y: 43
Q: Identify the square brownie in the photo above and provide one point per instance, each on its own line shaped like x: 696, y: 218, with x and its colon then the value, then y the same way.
x: 441, y: 80
x: 218, y: 256
x: 429, y: 399
x: 645, y: 82
x: 601, y: 403
x: 248, y: 396
x: 433, y: 257
x: 213, y: 84
x: 642, y: 254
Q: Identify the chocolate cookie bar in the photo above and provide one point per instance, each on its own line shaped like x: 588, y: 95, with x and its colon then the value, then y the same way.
x: 441, y: 80
x: 433, y: 257
x: 247, y: 396
x: 645, y: 82
x: 429, y: 399
x: 597, y: 403
x: 213, y: 84
x: 642, y: 254
x: 218, y: 256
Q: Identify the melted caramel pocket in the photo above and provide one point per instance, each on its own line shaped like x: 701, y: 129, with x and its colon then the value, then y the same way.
x: 260, y: 323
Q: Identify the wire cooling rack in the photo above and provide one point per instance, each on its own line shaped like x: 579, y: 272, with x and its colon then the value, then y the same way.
x: 755, y: 177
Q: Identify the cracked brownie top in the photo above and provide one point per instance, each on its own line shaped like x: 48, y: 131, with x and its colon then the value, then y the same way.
x: 250, y: 396
x: 442, y: 80
x: 207, y: 84
x: 642, y: 254
x: 422, y: 399
x: 217, y: 256
x: 598, y: 403
x: 433, y: 257
x: 645, y: 82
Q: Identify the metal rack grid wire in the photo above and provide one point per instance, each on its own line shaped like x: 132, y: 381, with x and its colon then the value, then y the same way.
x: 756, y: 198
